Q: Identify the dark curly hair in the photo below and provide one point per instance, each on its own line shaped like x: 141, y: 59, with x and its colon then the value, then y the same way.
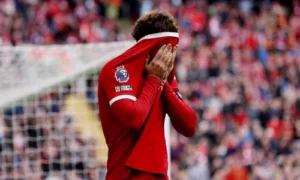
x: 154, y: 22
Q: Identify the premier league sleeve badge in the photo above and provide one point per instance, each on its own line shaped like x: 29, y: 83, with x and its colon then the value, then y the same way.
x: 121, y: 74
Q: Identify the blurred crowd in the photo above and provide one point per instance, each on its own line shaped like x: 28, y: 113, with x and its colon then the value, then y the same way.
x: 40, y: 140
x: 238, y: 65
x: 62, y: 21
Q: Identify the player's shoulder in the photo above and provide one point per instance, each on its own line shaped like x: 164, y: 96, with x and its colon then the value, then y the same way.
x: 116, y: 66
x: 113, y: 68
x: 109, y: 66
x: 106, y: 68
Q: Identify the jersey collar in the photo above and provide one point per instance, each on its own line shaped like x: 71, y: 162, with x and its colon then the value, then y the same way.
x: 159, y: 35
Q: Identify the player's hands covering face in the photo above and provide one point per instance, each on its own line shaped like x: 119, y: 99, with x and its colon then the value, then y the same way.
x: 162, y: 64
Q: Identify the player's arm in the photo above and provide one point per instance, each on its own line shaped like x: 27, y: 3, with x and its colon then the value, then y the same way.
x: 182, y: 116
x: 132, y: 112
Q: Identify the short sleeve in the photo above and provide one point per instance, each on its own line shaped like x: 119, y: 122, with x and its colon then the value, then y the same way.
x: 120, y: 83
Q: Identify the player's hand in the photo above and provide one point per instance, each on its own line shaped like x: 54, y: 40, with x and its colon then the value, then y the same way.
x: 160, y: 63
x: 170, y: 63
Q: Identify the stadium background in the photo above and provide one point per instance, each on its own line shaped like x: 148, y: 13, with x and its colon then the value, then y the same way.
x: 238, y: 65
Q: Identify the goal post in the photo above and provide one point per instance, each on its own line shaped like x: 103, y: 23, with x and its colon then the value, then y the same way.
x: 49, y: 125
x: 26, y: 70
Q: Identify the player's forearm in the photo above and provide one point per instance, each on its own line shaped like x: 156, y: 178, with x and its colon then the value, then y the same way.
x: 134, y: 113
x: 182, y: 116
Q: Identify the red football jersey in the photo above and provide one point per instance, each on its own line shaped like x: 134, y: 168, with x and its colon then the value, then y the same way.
x: 123, y: 79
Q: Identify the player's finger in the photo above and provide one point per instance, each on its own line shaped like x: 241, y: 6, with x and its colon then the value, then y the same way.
x: 170, y: 64
x: 168, y: 60
x: 159, y: 53
x: 166, y: 54
x: 173, y: 55
x: 170, y: 57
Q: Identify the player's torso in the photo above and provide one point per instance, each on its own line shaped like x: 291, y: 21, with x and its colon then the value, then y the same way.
x: 120, y: 139
x: 113, y: 129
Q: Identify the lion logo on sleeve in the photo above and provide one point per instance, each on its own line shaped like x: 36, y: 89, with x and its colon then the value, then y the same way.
x: 121, y: 74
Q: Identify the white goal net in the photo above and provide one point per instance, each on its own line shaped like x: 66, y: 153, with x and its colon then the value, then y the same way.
x: 49, y: 126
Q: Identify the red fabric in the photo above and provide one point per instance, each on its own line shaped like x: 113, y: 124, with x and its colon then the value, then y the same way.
x: 287, y: 129
x: 138, y: 175
x: 134, y: 130
x: 275, y: 126
x: 183, y: 118
x: 241, y: 119
x: 251, y: 42
x: 237, y: 173
x: 132, y: 114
